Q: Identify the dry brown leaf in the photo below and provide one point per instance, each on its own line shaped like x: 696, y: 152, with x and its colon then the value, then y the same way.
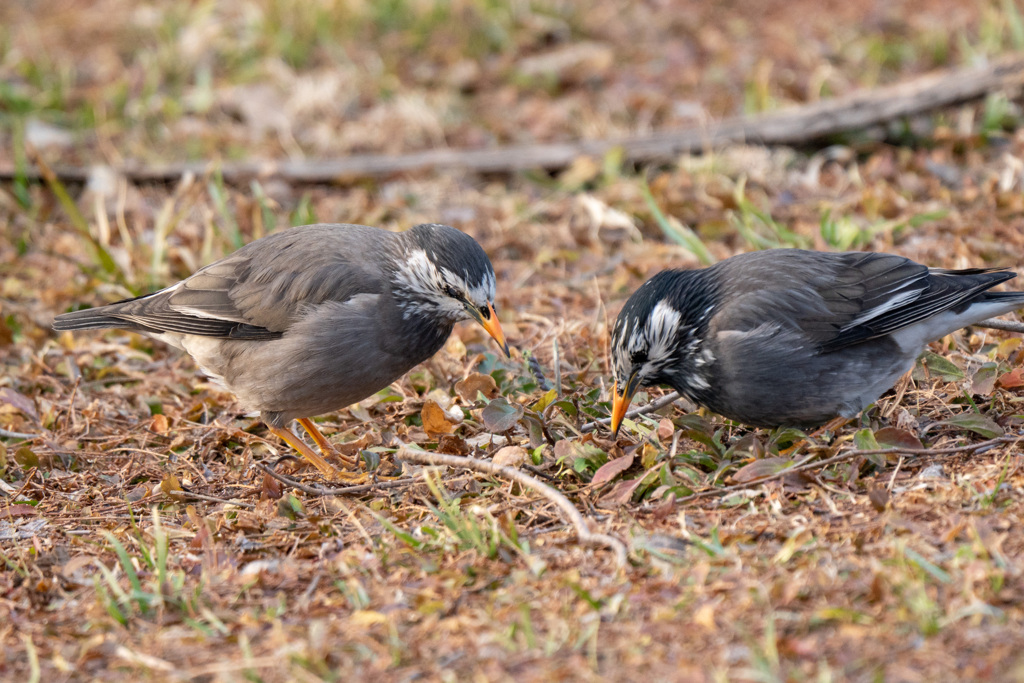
x: 77, y: 563
x: 893, y: 437
x: 1012, y: 379
x: 201, y: 540
x: 984, y: 380
x: 665, y: 429
x: 138, y: 493
x: 511, y: 456
x: 1007, y: 346
x: 19, y: 402
x: 611, y: 469
x: 369, y: 438
x: 435, y: 420
x: 705, y: 616
x: 648, y: 456
x: 453, y: 445
x: 476, y: 382
x: 159, y: 424
x: 879, y: 497
x: 171, y: 486
x: 621, y: 493
x: 364, y: 618
x: 759, y: 469
x: 563, y: 449
x: 271, y: 489
x: 665, y: 508
x: 26, y: 457
x: 18, y: 510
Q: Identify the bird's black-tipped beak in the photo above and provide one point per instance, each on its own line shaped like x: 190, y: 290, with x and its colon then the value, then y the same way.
x: 620, y: 402
x: 489, y: 321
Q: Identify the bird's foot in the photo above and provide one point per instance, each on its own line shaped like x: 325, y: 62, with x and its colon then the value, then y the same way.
x: 327, y: 469
x: 830, y: 427
x: 324, y: 445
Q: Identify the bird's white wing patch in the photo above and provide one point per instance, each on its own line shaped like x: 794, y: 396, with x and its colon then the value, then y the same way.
x: 893, y: 302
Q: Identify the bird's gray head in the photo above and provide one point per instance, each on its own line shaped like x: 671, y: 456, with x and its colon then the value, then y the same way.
x: 443, y: 274
x: 658, y: 338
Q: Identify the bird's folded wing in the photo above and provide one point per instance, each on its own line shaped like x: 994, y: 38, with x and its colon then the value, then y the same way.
x: 890, y: 292
x: 836, y: 300
x: 260, y: 290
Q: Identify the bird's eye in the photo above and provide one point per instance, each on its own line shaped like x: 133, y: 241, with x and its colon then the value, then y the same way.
x: 450, y: 291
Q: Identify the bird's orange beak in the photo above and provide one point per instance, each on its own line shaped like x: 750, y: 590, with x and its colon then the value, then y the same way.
x: 492, y: 326
x: 620, y: 402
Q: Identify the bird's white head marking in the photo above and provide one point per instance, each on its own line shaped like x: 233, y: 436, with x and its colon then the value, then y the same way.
x: 439, y: 291
x: 647, y: 342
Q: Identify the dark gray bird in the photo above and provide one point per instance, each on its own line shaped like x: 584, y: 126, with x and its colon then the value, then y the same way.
x: 312, y: 319
x: 787, y: 337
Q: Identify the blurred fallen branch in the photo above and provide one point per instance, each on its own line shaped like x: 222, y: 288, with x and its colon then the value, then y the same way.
x: 791, y: 126
x: 8, y: 434
x: 553, y: 495
x: 999, y: 324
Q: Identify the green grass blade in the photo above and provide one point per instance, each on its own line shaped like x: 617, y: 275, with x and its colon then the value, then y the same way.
x: 678, y: 233
x: 103, y: 257
x: 126, y: 562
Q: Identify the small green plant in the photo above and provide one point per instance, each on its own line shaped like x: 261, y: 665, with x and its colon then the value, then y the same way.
x: 712, y: 547
x: 988, y: 500
x: 474, y: 530
x: 914, y: 579
x: 1000, y: 29
x: 999, y: 115
x: 757, y: 227
x: 462, y: 530
x: 228, y: 225
x: 676, y: 231
x: 304, y: 213
x: 153, y: 587
x: 765, y: 664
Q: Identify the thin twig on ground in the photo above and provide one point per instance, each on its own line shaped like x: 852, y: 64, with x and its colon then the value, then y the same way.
x: 553, y: 495
x: 213, y: 499
x: 656, y: 404
x: 342, y: 491
x: 8, y: 434
x: 850, y: 455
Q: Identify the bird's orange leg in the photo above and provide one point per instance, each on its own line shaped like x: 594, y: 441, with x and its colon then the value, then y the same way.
x: 833, y: 425
x: 305, y: 451
x: 322, y: 443
x: 326, y: 468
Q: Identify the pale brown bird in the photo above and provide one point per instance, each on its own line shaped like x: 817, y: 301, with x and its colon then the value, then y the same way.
x: 315, y: 318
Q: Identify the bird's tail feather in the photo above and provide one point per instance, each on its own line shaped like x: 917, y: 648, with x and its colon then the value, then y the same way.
x: 1005, y: 297
x: 89, y: 319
